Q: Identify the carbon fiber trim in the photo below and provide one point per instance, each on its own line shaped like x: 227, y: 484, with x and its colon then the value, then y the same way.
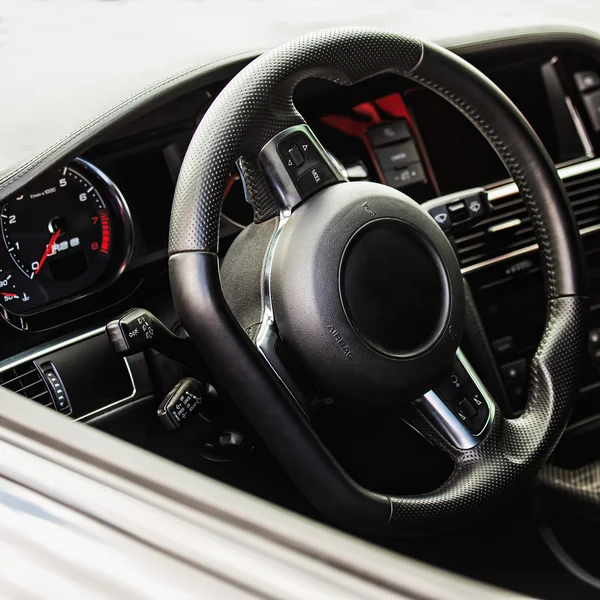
x: 579, y: 488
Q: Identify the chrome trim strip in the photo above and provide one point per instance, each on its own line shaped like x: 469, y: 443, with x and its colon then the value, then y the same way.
x: 526, y: 250
x: 497, y: 259
x: 267, y: 335
x: 287, y: 197
x: 510, y: 189
x: 50, y: 348
x: 504, y: 225
x: 567, y: 172
x: 579, y: 169
x: 447, y: 422
x: 581, y: 131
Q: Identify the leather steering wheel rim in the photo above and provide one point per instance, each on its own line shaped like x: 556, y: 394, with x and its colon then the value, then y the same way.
x: 256, y: 106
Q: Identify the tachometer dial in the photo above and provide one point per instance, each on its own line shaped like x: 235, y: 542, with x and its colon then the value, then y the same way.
x: 64, y: 233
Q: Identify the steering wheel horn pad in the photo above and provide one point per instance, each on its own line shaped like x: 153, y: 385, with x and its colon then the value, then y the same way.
x: 272, y: 287
x: 324, y: 267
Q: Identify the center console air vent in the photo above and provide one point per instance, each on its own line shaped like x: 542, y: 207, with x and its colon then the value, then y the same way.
x: 508, y: 229
x: 27, y: 381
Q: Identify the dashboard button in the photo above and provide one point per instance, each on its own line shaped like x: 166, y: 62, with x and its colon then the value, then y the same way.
x: 319, y: 176
x: 398, y: 155
x: 465, y: 406
x: 586, y: 80
x: 458, y: 211
x: 503, y: 345
x: 462, y: 396
x: 477, y: 204
x: 453, y: 384
x: 386, y: 133
x: 594, y: 338
x: 57, y: 388
x: 592, y: 105
x: 514, y: 372
x: 475, y: 399
x: 296, y: 155
x: 399, y: 178
x: 442, y: 217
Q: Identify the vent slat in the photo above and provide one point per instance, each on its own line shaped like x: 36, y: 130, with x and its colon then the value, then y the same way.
x: 585, y: 210
x: 477, y: 245
x: 582, y: 180
x: 587, y: 189
x: 40, y: 395
x: 27, y: 381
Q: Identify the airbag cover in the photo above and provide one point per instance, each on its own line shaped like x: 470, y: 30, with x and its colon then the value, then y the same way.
x: 367, y: 293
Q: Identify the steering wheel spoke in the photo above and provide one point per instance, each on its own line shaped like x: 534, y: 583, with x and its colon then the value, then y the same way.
x: 271, y: 348
x: 297, y: 165
x: 458, y: 408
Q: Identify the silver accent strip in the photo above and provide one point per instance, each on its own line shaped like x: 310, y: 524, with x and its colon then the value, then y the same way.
x: 510, y: 189
x: 48, y: 349
x: 504, y: 225
x: 276, y: 173
x: 567, y: 172
x: 267, y: 335
x: 462, y: 196
x: 55, y: 347
x: 340, y: 167
x: 581, y: 168
x: 447, y: 422
x: 526, y: 250
x: 497, y: 259
x: 356, y: 171
x: 581, y: 131
x: 288, y: 197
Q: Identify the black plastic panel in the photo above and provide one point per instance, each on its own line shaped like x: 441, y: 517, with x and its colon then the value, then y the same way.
x: 93, y: 375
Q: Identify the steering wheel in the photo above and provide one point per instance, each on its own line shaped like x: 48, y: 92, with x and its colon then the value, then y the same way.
x: 352, y: 291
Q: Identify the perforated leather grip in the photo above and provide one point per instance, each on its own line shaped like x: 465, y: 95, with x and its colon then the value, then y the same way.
x: 253, y: 108
x: 515, y: 448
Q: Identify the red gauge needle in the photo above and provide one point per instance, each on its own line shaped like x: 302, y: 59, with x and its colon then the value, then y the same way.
x: 47, y: 250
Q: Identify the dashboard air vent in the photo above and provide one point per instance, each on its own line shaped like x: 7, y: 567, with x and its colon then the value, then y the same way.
x: 26, y: 380
x: 509, y: 228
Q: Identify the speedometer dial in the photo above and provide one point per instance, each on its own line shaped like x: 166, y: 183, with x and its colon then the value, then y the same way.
x: 63, y: 234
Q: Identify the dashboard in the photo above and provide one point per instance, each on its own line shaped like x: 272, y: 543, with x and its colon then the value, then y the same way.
x: 87, y: 239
